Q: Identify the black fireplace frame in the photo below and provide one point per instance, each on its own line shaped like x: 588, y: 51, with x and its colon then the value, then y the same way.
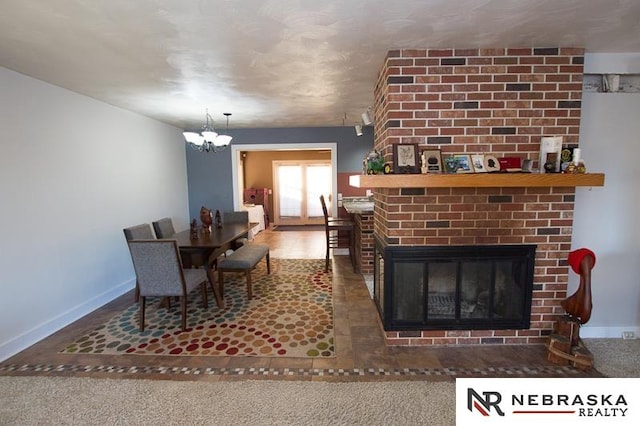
x: 392, y: 255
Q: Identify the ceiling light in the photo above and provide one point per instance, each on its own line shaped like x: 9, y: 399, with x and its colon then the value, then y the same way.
x: 208, y: 140
x: 366, y: 118
x: 358, y: 130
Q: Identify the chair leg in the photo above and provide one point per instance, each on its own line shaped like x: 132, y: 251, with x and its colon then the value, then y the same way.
x: 268, y: 264
x: 203, y: 292
x: 326, y: 257
x: 249, y: 289
x: 136, y: 294
x: 221, y: 282
x: 215, y: 288
x: 183, y: 305
x: 143, y: 301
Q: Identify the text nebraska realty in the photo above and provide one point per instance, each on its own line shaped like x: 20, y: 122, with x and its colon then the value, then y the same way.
x: 590, y: 405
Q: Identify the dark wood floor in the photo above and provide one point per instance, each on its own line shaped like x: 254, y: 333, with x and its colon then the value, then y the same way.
x: 361, y: 351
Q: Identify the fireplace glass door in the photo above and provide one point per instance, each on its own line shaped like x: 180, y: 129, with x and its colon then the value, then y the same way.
x: 470, y: 287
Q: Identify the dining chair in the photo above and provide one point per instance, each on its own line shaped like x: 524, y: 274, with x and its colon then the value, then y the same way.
x: 236, y: 217
x: 159, y: 272
x: 228, y: 218
x: 340, y: 233
x: 138, y: 232
x: 164, y: 229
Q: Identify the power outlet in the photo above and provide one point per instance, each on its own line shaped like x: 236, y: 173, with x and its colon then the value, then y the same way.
x: 628, y: 335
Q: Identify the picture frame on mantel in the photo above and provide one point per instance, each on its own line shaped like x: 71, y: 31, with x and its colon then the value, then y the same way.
x: 405, y: 158
x: 464, y: 163
x: 431, y: 161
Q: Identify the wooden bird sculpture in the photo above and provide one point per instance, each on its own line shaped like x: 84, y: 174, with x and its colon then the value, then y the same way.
x: 579, y: 304
x: 206, y: 218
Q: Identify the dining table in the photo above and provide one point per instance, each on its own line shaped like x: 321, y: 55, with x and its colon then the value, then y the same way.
x: 212, y: 243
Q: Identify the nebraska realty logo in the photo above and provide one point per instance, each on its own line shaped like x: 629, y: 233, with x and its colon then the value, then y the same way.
x: 579, y: 401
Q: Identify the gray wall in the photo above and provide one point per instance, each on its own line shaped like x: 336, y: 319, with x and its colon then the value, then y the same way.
x: 73, y: 173
x: 209, y: 174
x: 605, y: 219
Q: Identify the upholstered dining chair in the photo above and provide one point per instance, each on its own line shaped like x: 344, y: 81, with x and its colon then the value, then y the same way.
x: 340, y: 233
x: 164, y: 229
x: 236, y: 217
x: 138, y: 232
x: 159, y: 272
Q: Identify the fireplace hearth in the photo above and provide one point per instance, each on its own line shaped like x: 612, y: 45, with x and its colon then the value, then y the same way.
x: 454, y: 287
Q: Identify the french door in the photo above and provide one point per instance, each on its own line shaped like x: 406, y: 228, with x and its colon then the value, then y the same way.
x: 298, y: 186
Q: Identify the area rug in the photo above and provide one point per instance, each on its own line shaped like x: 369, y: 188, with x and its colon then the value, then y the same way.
x: 290, y: 315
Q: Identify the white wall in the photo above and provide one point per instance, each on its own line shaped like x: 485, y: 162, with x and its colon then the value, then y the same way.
x: 606, y: 219
x: 73, y: 173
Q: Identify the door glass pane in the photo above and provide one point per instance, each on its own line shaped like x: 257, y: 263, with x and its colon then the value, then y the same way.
x: 509, y: 290
x: 441, y: 300
x: 408, y: 291
x: 290, y: 191
x: 318, y: 183
x: 475, y: 286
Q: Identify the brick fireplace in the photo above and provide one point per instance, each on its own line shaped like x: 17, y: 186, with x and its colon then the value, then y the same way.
x: 492, y: 101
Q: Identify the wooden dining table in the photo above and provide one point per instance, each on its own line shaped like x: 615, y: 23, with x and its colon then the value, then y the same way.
x: 212, y: 244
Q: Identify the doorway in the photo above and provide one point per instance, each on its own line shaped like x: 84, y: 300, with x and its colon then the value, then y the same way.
x: 236, y: 164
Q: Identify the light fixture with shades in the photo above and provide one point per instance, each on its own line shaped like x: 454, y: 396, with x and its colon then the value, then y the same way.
x: 358, y: 130
x: 208, y: 140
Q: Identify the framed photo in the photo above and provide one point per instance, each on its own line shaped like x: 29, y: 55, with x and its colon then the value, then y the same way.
x: 405, y: 158
x: 431, y: 161
x: 478, y: 163
x: 491, y: 163
x: 464, y: 163
x: 450, y: 163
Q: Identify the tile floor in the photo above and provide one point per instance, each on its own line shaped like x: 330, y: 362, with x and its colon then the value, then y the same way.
x: 361, y: 351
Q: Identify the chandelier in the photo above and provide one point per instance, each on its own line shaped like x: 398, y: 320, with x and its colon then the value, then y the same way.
x: 208, y: 140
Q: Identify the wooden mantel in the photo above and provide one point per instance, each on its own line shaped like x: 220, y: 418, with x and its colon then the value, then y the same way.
x: 477, y: 180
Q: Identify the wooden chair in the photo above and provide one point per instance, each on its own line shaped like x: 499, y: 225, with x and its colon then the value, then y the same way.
x: 159, y: 273
x: 138, y: 232
x: 340, y: 233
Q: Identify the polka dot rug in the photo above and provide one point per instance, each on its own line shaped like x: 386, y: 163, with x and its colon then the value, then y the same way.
x: 290, y: 315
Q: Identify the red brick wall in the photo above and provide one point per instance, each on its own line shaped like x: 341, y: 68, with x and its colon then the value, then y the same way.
x: 491, y: 101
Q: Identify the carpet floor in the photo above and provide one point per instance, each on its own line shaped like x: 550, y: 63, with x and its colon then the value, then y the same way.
x: 290, y: 315
x: 87, y: 401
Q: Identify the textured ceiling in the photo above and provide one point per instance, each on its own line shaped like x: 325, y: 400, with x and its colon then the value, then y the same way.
x: 275, y: 63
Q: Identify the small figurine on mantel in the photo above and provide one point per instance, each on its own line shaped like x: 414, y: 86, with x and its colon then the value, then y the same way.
x: 576, y: 165
x: 206, y: 219
x: 193, y: 230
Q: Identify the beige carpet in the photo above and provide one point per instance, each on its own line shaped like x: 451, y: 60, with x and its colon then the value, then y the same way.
x: 86, y: 401
x: 615, y: 357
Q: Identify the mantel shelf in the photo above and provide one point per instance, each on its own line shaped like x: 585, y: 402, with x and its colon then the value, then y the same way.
x: 477, y: 180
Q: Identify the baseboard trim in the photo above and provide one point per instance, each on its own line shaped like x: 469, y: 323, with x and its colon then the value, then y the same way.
x: 39, y: 332
x: 587, y: 332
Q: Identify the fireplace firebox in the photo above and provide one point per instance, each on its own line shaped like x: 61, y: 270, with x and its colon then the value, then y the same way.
x: 454, y: 287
